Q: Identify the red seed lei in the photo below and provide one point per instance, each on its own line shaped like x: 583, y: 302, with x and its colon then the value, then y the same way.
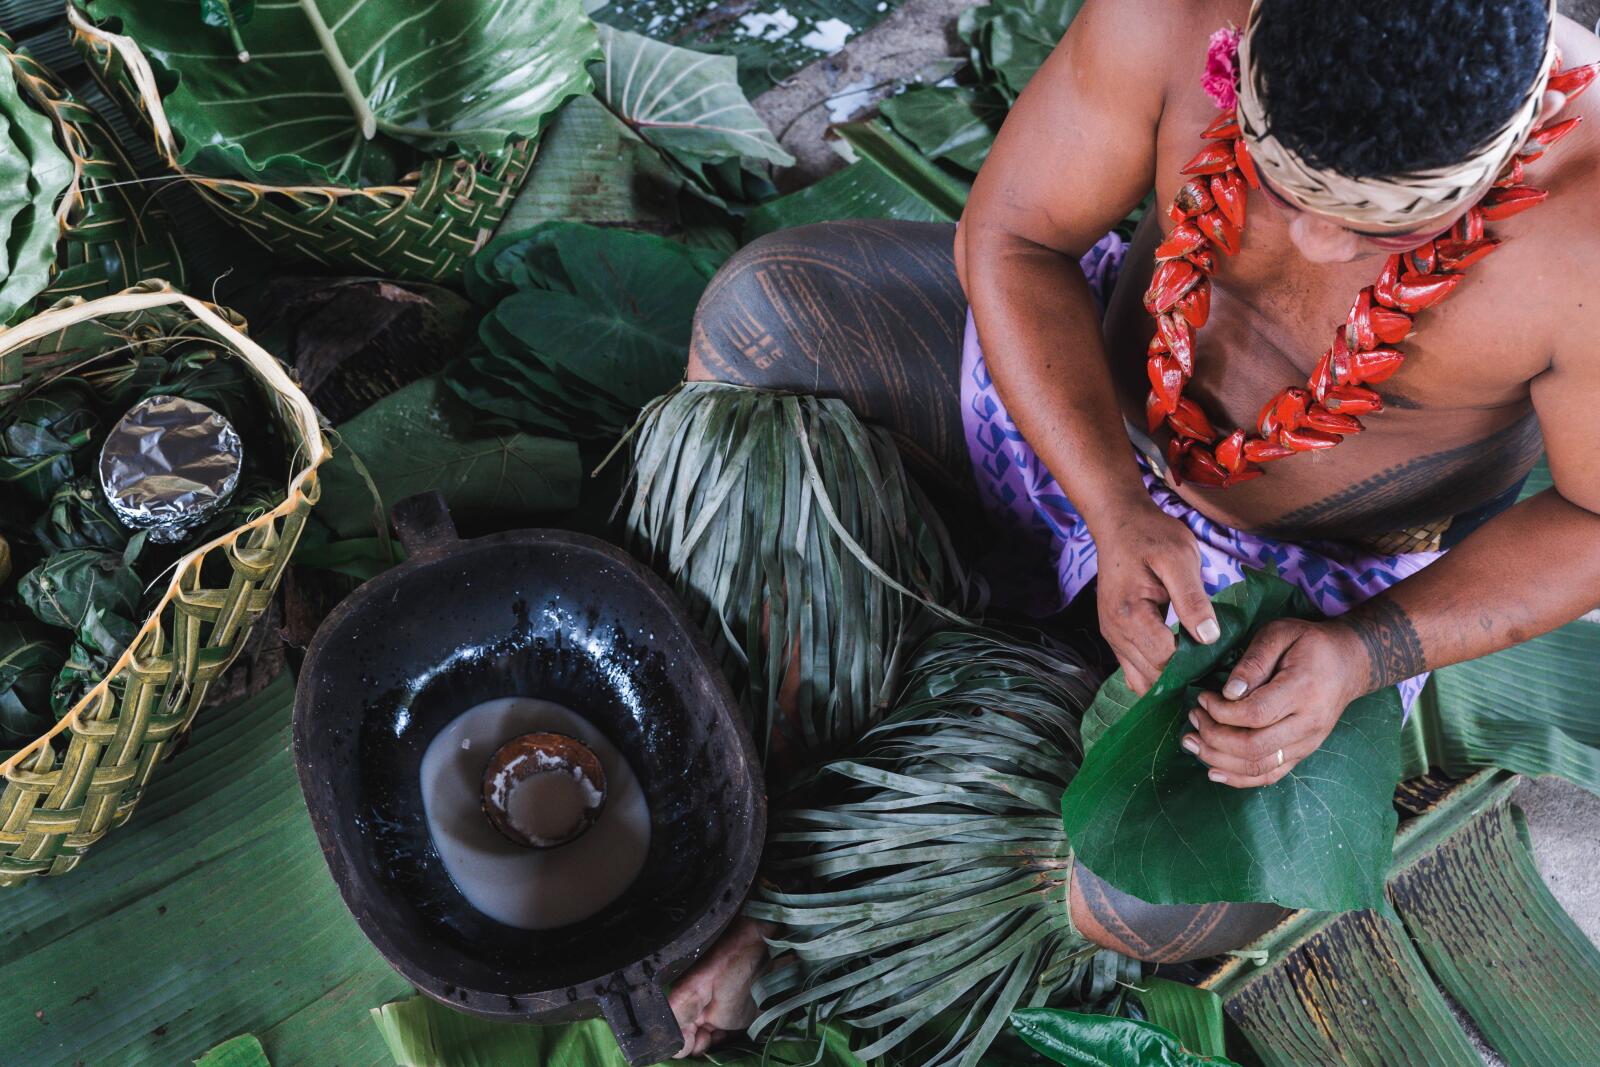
x: 1209, y: 214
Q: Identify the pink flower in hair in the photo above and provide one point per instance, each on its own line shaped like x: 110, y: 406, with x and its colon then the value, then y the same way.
x: 1221, y: 80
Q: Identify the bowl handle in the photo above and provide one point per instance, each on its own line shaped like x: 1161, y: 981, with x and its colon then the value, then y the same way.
x: 637, y: 1010
x: 423, y: 521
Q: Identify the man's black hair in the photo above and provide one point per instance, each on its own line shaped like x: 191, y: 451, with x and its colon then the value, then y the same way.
x: 1374, y: 88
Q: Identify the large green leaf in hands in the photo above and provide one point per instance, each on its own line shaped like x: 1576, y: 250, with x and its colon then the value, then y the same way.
x: 687, y: 104
x: 355, y: 91
x: 1143, y: 815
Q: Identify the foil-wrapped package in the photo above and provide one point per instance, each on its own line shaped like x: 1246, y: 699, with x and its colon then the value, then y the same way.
x: 169, y: 465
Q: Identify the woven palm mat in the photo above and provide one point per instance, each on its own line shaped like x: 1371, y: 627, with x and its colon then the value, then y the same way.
x: 1479, y: 925
x: 210, y: 915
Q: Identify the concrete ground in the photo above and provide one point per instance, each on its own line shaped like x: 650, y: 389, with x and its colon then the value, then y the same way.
x: 917, y: 43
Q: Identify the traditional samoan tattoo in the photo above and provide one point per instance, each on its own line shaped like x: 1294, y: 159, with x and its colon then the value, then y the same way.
x: 1420, y: 490
x: 1394, y: 650
x: 1169, y: 933
x: 869, y: 312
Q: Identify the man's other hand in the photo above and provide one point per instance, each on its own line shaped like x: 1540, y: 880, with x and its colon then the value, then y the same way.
x: 1148, y: 560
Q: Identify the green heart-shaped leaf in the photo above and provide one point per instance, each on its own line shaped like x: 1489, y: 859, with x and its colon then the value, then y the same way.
x: 1143, y: 815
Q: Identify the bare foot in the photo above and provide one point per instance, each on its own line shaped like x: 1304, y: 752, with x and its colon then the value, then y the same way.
x: 713, y: 998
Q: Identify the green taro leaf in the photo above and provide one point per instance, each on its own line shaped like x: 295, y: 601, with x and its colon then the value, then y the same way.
x: 413, y: 441
x: 955, y: 123
x: 1104, y: 1041
x: 1011, y: 39
x: 229, y: 15
x: 688, y: 105
x: 590, y: 325
x: 352, y: 91
x: 1143, y: 815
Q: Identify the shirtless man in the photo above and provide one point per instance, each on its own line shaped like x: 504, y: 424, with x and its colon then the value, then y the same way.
x: 1507, y: 367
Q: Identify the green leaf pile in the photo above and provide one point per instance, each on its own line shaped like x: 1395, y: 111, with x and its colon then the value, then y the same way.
x: 586, y: 325
x: 1143, y: 815
x: 435, y: 76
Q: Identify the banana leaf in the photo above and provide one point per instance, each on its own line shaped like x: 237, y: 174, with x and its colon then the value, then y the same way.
x: 1096, y: 1041
x: 416, y: 439
x: 587, y: 326
x: 422, y: 1033
x: 925, y: 898
x: 863, y: 190
x: 770, y: 39
x: 29, y: 661
x: 356, y: 92
x: 244, y: 1050
x: 210, y: 915
x: 956, y: 123
x: 1011, y: 39
x: 1143, y: 815
x: 801, y: 547
x: 40, y: 436
x: 592, y: 167
x: 68, y: 587
x: 873, y: 140
x: 689, y: 106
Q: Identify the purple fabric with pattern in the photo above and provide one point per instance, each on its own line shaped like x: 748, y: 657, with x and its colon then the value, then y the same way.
x: 1027, y: 506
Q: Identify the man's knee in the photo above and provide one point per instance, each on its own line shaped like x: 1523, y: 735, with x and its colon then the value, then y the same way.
x: 1163, y: 933
x: 798, y: 308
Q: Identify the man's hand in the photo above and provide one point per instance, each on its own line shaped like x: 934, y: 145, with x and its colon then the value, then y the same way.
x: 713, y: 998
x: 1148, y: 559
x: 1279, y: 704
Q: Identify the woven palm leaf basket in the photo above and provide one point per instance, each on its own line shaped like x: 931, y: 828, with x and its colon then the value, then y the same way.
x: 423, y: 227
x: 112, y: 234
x: 60, y: 793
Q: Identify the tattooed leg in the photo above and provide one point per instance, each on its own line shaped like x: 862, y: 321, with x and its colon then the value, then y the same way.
x: 1163, y: 933
x: 869, y: 312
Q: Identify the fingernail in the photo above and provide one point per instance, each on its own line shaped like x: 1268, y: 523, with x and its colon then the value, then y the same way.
x: 1217, y: 776
x: 1191, y: 743
x: 1234, y: 689
x: 1194, y: 719
x: 1209, y: 631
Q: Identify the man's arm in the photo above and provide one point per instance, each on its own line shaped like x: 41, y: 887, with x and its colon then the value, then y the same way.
x: 1527, y: 571
x: 1075, y: 155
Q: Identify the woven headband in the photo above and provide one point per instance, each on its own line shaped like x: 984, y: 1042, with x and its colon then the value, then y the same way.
x: 1393, y: 203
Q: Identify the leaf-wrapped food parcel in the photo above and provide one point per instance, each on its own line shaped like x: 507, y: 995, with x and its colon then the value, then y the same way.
x: 1142, y: 814
x: 360, y: 98
x: 78, y: 516
x: 29, y: 661
x: 39, y: 436
x: 67, y: 587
